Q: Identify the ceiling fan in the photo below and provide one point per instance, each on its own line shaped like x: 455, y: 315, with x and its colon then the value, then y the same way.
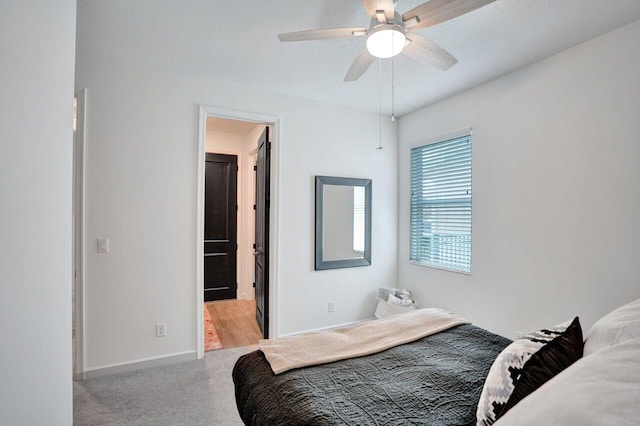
x: 389, y: 33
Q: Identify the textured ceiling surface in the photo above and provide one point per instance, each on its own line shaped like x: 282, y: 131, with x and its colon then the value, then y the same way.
x: 235, y: 42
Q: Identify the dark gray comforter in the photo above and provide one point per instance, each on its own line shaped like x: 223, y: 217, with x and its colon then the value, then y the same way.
x: 436, y: 380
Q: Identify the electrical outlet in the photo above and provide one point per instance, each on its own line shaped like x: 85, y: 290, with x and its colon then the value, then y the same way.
x: 331, y: 307
x: 161, y: 329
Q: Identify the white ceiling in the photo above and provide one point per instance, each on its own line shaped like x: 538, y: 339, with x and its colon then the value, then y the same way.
x: 235, y: 42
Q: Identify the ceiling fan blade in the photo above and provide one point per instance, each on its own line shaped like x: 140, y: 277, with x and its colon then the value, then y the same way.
x: 323, y: 34
x: 424, y: 50
x: 362, y: 62
x: 371, y: 6
x: 435, y: 11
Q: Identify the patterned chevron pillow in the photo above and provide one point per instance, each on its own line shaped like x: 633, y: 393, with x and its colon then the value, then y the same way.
x: 525, y: 365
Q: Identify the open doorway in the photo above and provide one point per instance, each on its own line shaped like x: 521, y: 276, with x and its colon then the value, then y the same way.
x: 235, y: 226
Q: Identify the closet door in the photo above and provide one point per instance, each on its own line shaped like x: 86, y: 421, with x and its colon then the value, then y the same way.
x: 220, y: 227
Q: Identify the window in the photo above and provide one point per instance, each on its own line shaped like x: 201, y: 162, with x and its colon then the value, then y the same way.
x: 441, y: 204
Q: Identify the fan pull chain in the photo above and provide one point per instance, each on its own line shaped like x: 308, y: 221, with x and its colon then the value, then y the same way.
x: 393, y: 97
x: 380, y: 103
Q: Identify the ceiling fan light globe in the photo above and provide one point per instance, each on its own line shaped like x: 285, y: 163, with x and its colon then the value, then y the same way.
x: 385, y: 41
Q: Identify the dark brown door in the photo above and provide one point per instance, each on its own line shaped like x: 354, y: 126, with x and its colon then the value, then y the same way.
x: 262, y: 233
x: 220, y: 227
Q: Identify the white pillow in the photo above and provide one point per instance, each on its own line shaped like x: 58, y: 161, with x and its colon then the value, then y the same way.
x: 616, y: 327
x: 598, y: 390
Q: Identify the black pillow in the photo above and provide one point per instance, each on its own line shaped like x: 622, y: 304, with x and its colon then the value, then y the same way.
x: 527, y: 364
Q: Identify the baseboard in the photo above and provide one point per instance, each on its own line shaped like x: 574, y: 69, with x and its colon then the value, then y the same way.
x: 139, y: 364
x: 329, y: 327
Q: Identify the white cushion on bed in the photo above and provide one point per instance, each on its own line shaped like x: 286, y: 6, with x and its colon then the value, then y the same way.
x: 616, y: 327
x: 601, y: 389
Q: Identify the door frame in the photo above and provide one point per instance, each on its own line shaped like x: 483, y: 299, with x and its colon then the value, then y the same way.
x: 78, y: 231
x: 258, y: 118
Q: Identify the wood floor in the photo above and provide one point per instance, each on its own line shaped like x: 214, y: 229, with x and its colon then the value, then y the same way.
x: 235, y: 322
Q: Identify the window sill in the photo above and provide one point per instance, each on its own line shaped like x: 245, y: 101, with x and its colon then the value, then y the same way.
x: 444, y: 268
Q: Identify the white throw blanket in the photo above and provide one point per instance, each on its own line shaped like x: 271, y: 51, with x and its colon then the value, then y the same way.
x: 365, y: 338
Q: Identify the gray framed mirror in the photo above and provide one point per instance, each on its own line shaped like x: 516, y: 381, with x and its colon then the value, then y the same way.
x: 343, y: 222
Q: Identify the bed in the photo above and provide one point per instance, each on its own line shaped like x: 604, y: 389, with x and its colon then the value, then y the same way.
x: 446, y: 379
x: 435, y: 380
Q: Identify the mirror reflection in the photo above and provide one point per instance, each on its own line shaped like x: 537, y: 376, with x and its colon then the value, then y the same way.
x: 343, y: 213
x: 343, y: 222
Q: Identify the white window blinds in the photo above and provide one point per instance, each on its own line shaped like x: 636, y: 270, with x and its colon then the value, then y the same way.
x: 441, y: 204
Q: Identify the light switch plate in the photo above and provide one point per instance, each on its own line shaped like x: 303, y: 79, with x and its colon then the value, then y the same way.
x: 103, y: 245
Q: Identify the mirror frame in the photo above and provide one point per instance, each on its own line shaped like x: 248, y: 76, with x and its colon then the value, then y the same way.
x: 321, y: 264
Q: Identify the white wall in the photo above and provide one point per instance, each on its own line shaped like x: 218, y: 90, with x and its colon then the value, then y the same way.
x: 141, y: 154
x: 556, y: 194
x: 244, y: 146
x: 37, y: 47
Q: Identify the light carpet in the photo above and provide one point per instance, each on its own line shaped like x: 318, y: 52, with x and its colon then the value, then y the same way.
x: 190, y: 393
